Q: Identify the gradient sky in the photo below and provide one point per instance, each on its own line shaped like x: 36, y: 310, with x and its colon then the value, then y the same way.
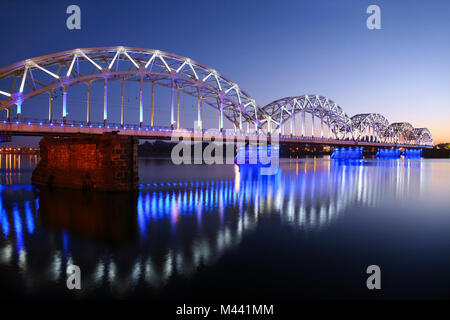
x: 272, y: 49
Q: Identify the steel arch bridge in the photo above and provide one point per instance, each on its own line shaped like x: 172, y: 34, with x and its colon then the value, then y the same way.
x: 59, y: 72
x: 36, y: 76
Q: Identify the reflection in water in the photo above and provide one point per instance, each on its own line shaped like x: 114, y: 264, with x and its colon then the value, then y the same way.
x: 175, y: 228
x: 13, y: 165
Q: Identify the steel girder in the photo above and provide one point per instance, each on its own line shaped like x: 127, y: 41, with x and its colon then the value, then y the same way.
x: 282, y: 110
x: 361, y: 123
x: 29, y: 78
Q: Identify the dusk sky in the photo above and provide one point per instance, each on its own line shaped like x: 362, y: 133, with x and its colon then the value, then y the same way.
x: 272, y: 49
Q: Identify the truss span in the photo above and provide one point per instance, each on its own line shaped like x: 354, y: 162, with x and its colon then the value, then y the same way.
x: 369, y: 125
x: 402, y: 132
x: 32, y: 77
x: 279, y: 112
x: 59, y: 71
x: 423, y: 136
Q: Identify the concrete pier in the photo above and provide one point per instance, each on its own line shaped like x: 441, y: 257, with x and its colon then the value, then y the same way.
x: 105, y: 162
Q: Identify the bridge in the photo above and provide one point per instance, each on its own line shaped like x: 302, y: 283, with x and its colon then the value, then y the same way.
x: 98, y: 137
x: 293, y: 119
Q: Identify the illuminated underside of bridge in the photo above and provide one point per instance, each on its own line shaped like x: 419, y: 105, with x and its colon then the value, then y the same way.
x: 294, y: 119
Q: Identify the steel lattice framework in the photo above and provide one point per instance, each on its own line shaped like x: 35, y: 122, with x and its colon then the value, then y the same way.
x: 364, y: 123
x: 58, y: 72
x: 402, y: 131
x: 280, y: 111
x: 423, y: 136
x: 44, y: 74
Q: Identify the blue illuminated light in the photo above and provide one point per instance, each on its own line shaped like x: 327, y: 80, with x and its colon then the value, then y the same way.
x: 388, y: 153
x: 347, y: 153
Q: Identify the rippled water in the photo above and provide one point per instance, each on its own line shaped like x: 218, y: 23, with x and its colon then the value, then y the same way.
x: 216, y: 231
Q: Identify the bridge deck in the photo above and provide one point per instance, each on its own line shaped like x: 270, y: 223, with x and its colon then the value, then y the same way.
x: 25, y: 128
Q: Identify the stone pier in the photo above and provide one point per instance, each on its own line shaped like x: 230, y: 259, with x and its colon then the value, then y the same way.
x: 88, y: 162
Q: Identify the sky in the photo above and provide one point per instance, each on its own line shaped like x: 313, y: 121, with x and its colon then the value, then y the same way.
x: 272, y: 49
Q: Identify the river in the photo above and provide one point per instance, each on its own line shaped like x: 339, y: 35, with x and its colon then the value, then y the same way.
x: 212, y: 232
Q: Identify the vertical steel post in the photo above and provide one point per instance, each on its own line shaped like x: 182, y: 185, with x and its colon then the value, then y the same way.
x: 88, y: 107
x: 141, y: 102
x: 105, y: 102
x: 292, y: 123
x: 153, y: 103
x: 64, y: 113
x: 50, y: 106
x: 221, y: 113
x: 178, y: 108
x: 199, y: 110
x: 19, y: 109
x: 172, y: 98
x: 240, y: 120
x: 321, y: 125
x: 303, y: 123
x: 122, y: 106
x: 329, y: 129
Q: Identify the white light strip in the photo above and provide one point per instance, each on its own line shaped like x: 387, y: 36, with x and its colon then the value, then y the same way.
x: 229, y: 89
x: 131, y: 59
x: 90, y: 60
x: 114, y: 59
x: 149, y: 61
x: 237, y: 93
x: 181, y: 67
x: 165, y: 64
x: 71, y: 65
x: 195, y: 73
x: 206, y: 78
x: 218, y: 82
x: 22, y: 85
x: 5, y: 93
x: 45, y: 70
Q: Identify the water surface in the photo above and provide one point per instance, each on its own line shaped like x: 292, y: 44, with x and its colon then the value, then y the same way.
x: 211, y: 232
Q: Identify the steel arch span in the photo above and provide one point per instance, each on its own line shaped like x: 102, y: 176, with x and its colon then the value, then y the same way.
x: 58, y: 72
x: 279, y: 112
x: 45, y: 74
x: 423, y: 136
x: 372, y: 125
x: 402, y: 132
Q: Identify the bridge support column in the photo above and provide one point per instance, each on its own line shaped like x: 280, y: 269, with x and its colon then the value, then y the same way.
x: 104, y: 163
x: 8, y: 115
x: 312, y: 126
